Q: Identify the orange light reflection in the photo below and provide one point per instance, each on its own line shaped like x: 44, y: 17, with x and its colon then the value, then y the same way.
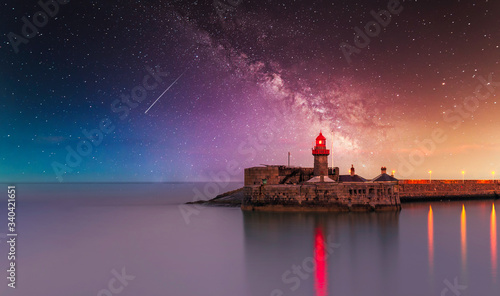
x: 430, y: 235
x: 463, y: 232
x: 493, y: 237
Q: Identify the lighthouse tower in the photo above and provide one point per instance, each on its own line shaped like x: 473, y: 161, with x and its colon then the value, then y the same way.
x: 320, y: 154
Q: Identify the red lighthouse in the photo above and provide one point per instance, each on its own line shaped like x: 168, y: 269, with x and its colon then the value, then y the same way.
x: 320, y: 154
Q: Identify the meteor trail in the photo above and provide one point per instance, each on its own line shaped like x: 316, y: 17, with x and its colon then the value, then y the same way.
x: 165, y: 91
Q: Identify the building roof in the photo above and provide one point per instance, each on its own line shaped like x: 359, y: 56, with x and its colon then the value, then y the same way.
x: 384, y: 178
x: 349, y: 178
x: 318, y: 179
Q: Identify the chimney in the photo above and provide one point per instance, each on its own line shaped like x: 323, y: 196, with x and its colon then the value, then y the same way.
x: 383, y: 170
x: 352, y: 170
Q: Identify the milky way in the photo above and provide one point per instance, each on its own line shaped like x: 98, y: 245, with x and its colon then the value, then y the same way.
x: 261, y: 79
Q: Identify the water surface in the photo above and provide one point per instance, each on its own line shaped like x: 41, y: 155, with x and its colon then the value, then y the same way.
x: 72, y: 237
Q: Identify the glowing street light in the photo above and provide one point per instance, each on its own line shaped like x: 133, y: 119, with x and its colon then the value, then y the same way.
x: 463, y: 176
x: 393, y: 172
x: 430, y: 176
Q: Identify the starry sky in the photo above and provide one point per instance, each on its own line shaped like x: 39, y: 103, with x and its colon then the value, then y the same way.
x: 244, y: 83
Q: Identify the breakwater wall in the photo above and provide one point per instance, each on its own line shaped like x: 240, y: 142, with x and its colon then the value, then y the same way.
x: 419, y: 190
x: 321, y: 197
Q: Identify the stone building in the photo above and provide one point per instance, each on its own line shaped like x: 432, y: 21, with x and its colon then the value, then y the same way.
x: 275, y: 187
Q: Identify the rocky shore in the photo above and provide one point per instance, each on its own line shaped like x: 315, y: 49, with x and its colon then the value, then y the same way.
x: 232, y: 198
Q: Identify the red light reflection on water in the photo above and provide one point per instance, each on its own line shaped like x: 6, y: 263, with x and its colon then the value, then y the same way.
x: 320, y: 271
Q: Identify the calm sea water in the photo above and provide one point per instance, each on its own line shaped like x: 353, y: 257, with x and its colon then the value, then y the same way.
x: 133, y: 239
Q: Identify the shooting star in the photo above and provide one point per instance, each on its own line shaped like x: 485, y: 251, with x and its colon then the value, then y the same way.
x: 165, y: 91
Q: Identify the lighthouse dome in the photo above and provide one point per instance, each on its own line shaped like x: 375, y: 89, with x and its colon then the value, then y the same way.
x: 320, y: 137
x: 320, y: 140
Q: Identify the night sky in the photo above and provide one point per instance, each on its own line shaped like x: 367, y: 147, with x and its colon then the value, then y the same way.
x: 253, y: 81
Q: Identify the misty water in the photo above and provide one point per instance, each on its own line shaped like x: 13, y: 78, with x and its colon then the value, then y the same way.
x: 73, y: 239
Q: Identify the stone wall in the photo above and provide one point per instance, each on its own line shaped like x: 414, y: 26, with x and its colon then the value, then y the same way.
x: 274, y: 175
x: 322, y: 197
x: 439, y: 189
x: 256, y: 175
x: 295, y: 175
x: 284, y: 188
